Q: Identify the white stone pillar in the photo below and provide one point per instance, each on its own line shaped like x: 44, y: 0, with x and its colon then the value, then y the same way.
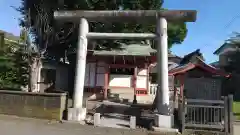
x: 81, y: 63
x: 163, y: 118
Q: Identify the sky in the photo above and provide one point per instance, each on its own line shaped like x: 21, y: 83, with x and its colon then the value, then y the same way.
x: 216, y: 21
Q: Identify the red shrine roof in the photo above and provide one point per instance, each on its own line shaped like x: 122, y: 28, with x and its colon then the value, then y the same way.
x: 182, y: 69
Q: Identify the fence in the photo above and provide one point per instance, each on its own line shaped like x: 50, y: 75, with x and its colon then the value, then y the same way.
x: 207, y: 114
x: 29, y: 104
x: 152, y: 89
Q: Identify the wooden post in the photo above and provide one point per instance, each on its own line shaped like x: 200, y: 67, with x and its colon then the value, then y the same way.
x: 135, y: 85
x: 183, y: 115
x: 147, y: 77
x: 226, y: 121
x: 106, y: 81
x: 95, y: 77
x: 181, y: 79
x: 230, y: 114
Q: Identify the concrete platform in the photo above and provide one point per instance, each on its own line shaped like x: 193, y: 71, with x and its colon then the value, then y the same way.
x: 168, y: 130
x: 114, y: 123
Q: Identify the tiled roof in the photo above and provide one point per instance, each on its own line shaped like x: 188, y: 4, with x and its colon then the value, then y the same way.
x: 181, y: 69
x: 132, y: 49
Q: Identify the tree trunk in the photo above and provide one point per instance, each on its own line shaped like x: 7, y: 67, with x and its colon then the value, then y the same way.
x: 35, y: 67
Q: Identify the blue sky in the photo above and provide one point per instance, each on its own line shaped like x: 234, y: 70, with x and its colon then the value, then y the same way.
x: 216, y: 21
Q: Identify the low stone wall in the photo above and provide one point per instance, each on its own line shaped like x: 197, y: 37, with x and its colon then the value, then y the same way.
x: 36, y: 105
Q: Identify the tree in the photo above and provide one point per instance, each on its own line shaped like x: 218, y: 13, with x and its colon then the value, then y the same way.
x: 13, y: 66
x: 21, y: 66
x: 6, y: 64
x: 26, y: 54
x: 49, y: 35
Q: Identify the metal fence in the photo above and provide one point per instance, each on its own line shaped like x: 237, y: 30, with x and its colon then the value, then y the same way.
x: 214, y: 115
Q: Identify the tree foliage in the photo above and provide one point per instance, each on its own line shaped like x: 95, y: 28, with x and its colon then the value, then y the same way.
x: 54, y: 38
x: 13, y: 65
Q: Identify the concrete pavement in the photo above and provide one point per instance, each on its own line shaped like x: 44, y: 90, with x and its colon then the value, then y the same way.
x: 236, y: 128
x: 10, y: 125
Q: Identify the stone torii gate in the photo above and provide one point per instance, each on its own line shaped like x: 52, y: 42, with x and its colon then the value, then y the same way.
x: 163, y: 118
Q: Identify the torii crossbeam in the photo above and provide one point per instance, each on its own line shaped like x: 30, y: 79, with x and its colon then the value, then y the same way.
x: 160, y: 17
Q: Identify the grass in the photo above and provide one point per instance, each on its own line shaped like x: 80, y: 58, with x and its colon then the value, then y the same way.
x: 236, y: 110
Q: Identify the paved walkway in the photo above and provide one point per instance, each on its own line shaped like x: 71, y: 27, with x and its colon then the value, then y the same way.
x: 236, y: 128
x: 10, y: 125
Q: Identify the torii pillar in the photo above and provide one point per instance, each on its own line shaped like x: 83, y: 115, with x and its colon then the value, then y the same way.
x: 163, y: 118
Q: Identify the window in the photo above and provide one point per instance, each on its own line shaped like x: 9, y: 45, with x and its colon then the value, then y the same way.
x: 122, y: 71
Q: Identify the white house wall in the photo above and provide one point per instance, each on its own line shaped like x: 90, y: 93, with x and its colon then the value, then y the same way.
x: 120, y: 80
x: 142, y: 72
x: 141, y: 81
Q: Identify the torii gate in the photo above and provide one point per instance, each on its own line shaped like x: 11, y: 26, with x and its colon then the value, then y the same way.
x: 160, y: 17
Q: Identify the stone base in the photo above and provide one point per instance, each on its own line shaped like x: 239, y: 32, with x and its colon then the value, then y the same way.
x: 133, y: 122
x: 77, y: 114
x: 97, y: 119
x: 165, y: 130
x: 164, y: 121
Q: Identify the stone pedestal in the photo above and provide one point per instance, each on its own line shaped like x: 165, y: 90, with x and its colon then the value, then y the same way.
x: 133, y: 122
x: 97, y: 119
x: 77, y: 114
x: 164, y: 121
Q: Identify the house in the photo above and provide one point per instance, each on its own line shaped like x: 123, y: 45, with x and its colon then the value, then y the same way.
x: 231, y: 85
x: 215, y: 64
x: 223, y: 52
x: 189, y: 67
x: 124, y: 71
x: 198, y: 80
x: 193, y: 75
x: 49, y: 75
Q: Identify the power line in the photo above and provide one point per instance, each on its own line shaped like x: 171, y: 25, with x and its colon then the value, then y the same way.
x: 234, y: 18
